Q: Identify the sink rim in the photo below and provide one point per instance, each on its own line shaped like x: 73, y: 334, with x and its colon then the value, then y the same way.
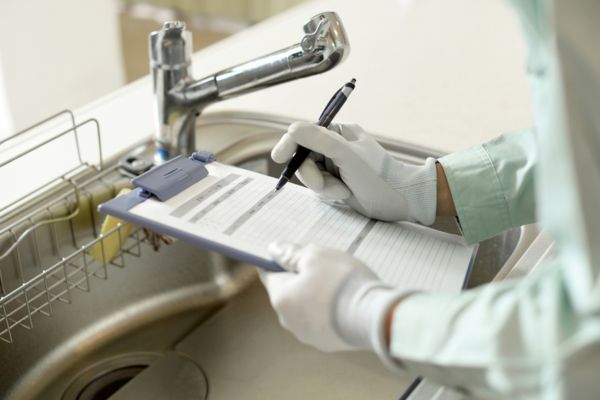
x: 125, y: 321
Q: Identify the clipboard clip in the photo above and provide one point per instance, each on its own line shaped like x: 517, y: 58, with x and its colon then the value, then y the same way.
x: 179, y: 173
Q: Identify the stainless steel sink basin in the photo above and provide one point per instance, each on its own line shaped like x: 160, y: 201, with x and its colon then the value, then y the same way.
x: 186, y: 323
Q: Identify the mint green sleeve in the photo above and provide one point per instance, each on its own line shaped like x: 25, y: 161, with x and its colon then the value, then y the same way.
x: 539, y: 337
x: 506, y: 341
x: 493, y: 184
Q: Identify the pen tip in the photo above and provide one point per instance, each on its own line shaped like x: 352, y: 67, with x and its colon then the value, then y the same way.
x: 353, y: 80
x: 282, y: 181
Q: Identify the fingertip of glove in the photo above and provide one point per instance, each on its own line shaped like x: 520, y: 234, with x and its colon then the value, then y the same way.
x: 284, y: 149
x: 277, y: 156
x: 283, y: 253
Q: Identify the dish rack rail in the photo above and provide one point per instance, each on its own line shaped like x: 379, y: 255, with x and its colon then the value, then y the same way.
x: 47, y: 234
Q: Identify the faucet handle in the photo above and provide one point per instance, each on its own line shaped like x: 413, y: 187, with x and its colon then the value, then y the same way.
x: 309, y: 41
x: 171, y: 47
x: 173, y: 25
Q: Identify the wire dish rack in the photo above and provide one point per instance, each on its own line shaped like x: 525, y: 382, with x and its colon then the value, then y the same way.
x: 47, y: 234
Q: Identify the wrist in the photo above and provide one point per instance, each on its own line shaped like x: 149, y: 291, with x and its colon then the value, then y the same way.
x: 357, y: 312
x: 361, y: 316
x: 387, y: 325
x: 445, y: 203
x: 419, y: 188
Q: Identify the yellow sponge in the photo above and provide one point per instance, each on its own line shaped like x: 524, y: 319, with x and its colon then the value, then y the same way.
x: 113, y: 242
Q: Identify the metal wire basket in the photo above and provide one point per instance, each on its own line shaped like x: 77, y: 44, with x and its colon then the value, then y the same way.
x: 47, y: 234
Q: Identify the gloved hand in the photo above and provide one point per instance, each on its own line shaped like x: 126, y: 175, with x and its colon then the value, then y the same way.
x: 329, y: 299
x: 365, y: 175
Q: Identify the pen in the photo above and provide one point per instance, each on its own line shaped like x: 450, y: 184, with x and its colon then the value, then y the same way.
x: 331, y: 109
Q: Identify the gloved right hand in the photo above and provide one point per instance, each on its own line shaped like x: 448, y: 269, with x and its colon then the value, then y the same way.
x: 330, y: 300
x: 363, y: 175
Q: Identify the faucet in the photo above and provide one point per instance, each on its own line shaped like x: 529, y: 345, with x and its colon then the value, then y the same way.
x: 179, y: 99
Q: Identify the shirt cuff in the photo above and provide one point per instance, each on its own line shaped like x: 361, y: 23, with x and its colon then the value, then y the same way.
x: 477, y: 193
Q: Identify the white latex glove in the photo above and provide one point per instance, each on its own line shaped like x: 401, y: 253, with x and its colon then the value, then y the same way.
x: 329, y: 299
x: 368, y: 178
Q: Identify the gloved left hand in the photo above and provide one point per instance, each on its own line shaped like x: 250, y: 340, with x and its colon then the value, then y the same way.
x: 329, y: 299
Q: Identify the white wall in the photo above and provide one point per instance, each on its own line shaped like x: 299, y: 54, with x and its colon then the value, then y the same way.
x: 6, y: 122
x: 54, y: 55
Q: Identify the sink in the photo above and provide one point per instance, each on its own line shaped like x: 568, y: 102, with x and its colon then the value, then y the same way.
x: 188, y: 323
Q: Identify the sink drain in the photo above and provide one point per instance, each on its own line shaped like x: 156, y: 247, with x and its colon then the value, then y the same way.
x: 105, y: 378
x: 168, y: 375
x: 108, y: 384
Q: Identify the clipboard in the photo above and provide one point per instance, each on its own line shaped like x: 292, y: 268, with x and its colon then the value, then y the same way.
x: 177, y: 199
x: 165, y: 181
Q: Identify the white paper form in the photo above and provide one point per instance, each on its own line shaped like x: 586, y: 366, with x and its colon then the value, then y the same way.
x: 240, y: 209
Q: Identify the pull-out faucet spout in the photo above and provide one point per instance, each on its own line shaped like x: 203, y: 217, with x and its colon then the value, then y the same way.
x: 179, y: 99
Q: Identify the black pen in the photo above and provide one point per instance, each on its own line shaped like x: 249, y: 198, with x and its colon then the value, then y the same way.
x: 331, y: 109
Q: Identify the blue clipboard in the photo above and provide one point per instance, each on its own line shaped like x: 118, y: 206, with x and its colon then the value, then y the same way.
x: 165, y: 181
